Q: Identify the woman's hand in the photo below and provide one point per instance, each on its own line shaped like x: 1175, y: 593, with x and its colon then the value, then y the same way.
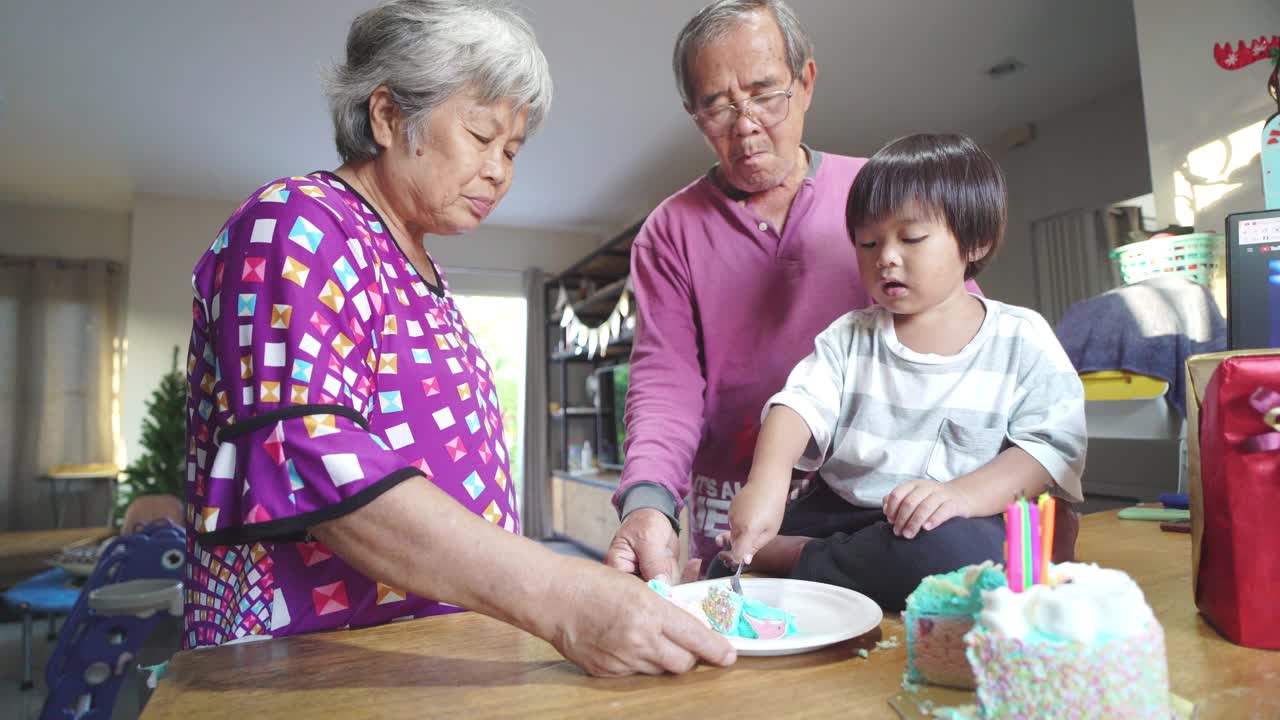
x: 611, y: 624
x: 924, y: 505
x: 416, y: 537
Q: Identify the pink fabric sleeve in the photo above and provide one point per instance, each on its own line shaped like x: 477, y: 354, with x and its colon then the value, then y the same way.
x: 664, y: 415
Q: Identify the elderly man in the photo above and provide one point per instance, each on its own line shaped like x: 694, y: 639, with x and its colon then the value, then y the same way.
x: 734, y: 276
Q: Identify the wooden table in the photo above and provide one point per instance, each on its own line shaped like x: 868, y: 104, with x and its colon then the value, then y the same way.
x: 467, y: 665
x: 68, y: 480
x: 23, y: 554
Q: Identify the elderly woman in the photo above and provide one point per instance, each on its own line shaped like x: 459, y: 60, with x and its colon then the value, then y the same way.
x: 346, y: 465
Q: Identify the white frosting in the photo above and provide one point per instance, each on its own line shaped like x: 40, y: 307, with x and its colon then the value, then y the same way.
x: 1087, y: 604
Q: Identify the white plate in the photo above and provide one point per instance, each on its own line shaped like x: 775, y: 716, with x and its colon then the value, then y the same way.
x: 825, y: 614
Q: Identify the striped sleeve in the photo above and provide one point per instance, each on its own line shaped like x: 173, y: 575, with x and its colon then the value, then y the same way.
x: 1047, y: 416
x: 815, y: 387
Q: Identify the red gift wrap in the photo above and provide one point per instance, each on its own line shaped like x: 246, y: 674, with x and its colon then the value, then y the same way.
x: 1238, y: 575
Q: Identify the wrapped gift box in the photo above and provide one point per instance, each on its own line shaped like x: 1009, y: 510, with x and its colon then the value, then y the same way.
x: 1233, y: 462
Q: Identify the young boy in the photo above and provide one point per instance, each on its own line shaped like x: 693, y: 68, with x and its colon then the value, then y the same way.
x: 924, y: 415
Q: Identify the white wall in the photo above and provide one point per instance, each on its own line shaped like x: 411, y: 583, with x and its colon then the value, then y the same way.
x: 169, y: 234
x: 167, y: 237
x: 489, y: 259
x: 30, y: 230
x: 1092, y: 155
x: 1191, y: 102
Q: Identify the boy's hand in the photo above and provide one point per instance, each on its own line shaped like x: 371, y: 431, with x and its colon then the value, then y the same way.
x: 755, y: 516
x: 924, y: 505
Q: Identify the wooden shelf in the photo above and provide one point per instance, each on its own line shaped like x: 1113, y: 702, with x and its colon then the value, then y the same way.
x: 572, y: 415
x: 582, y: 511
x: 598, y: 478
x: 599, y: 304
x: 615, y: 345
x: 606, y: 263
x: 581, y: 501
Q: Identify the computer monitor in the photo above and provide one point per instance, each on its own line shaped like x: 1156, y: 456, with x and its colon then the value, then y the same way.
x: 611, y: 402
x: 1253, y: 280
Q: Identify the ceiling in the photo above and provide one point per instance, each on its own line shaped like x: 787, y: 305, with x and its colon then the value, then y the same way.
x: 102, y: 100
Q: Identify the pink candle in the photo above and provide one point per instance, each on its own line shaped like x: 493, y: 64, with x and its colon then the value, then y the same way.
x: 1013, y: 538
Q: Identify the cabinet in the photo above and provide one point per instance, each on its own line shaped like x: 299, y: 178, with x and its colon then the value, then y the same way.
x: 586, y: 389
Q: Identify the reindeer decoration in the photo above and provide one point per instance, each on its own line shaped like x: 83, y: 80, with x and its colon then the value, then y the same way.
x: 1247, y: 54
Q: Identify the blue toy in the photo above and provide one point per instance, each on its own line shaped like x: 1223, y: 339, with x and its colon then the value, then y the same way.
x: 135, y: 585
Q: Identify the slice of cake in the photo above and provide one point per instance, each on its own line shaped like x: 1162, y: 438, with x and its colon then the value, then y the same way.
x: 1085, y: 645
x: 741, y: 616
x: 938, y: 614
x: 729, y: 613
x: 693, y: 609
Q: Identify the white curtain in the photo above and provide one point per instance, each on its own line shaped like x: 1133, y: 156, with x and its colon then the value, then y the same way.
x: 1071, y: 253
x: 536, y: 514
x: 60, y: 333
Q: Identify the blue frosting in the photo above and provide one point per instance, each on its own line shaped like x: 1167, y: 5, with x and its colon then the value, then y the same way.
x: 936, y: 594
x: 760, y: 611
x: 660, y: 587
x: 754, y: 608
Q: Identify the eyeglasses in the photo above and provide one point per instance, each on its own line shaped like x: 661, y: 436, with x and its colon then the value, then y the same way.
x: 766, y: 110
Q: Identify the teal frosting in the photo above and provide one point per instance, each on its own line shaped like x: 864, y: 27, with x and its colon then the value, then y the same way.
x: 946, y: 595
x: 936, y: 594
x: 754, y: 608
x: 760, y: 611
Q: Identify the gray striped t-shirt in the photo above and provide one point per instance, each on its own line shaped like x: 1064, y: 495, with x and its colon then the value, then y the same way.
x: 882, y: 414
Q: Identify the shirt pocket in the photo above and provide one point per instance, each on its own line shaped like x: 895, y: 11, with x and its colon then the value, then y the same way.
x: 960, y: 449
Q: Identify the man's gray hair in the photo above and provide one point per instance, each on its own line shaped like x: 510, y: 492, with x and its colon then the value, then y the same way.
x: 721, y: 17
x: 426, y: 50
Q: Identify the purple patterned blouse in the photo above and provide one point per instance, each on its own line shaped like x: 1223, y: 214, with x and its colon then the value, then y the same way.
x: 323, y: 371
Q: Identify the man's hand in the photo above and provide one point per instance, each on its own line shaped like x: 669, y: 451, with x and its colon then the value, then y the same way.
x: 924, y: 505
x: 647, y: 545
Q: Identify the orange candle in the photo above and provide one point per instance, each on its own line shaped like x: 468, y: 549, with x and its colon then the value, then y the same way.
x: 1047, y: 508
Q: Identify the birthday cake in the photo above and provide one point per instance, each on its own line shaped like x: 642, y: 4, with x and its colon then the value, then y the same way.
x: 1082, y: 644
x: 729, y: 613
x: 938, y: 615
x: 1066, y: 640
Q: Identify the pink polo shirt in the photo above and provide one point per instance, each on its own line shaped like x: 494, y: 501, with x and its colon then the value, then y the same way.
x: 727, y: 306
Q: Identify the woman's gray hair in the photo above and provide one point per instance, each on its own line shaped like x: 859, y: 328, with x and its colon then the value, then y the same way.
x: 721, y: 17
x: 426, y: 50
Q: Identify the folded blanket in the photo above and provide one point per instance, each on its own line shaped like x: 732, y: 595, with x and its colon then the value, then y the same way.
x: 1150, y: 327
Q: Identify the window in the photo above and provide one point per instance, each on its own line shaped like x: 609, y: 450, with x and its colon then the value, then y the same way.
x: 499, y: 327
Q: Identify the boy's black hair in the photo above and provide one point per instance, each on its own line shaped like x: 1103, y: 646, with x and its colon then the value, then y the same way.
x: 947, y: 174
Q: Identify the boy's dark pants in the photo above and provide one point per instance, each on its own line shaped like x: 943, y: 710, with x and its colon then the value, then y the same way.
x: 855, y: 547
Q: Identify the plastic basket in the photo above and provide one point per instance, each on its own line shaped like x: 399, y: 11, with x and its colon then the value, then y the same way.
x: 1195, y: 257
